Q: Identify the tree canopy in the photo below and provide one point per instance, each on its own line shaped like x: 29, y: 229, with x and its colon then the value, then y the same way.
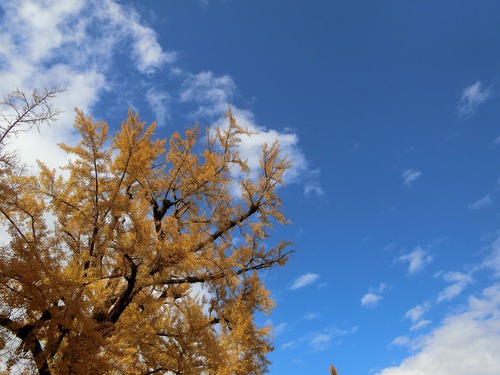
x: 140, y: 256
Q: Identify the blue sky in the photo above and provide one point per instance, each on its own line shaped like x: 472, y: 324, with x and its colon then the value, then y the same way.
x: 390, y: 111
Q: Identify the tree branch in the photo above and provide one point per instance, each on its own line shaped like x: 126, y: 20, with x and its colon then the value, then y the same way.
x: 210, y: 277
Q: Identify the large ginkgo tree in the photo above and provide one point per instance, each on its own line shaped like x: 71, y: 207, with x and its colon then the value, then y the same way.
x: 141, y: 255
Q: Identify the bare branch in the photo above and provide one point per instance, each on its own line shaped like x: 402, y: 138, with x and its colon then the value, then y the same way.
x: 24, y: 112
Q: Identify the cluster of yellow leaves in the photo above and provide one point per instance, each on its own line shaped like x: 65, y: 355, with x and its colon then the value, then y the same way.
x: 139, y: 226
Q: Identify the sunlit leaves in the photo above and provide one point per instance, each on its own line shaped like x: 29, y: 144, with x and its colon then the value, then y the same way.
x: 105, y: 259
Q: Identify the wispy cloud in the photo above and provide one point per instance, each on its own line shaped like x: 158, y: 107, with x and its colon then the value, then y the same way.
x: 420, y: 324
x: 417, y: 260
x: 77, y: 44
x: 390, y: 246
x: 459, y: 281
x: 320, y: 341
x: 472, y: 97
x: 312, y: 186
x: 415, y: 315
x: 310, y: 316
x: 452, y: 136
x: 371, y: 299
x: 374, y: 296
x: 481, y: 203
x: 304, y: 280
x: 492, y: 261
x: 72, y: 44
x: 410, y: 176
x: 313, y: 189
x: 400, y: 341
x: 465, y: 343
x: 146, y: 51
x: 159, y: 101
x: 278, y: 328
x: 496, y: 142
x: 211, y: 93
x: 289, y: 345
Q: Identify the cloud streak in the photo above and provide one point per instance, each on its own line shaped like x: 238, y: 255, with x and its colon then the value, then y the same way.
x: 492, y: 261
x: 159, y: 101
x: 211, y: 93
x: 472, y: 97
x: 459, y: 281
x: 320, y: 341
x: 410, y: 176
x: 371, y: 299
x: 415, y: 315
x: 417, y: 260
x: 304, y: 280
x: 485, y: 201
x: 374, y: 296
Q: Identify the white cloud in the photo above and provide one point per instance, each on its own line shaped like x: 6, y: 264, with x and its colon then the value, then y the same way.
x: 492, y: 261
x: 371, y: 299
x: 400, y: 341
x: 481, y: 203
x: 212, y: 94
x: 313, y: 188
x: 415, y: 314
x: 279, y: 329
x: 320, y: 341
x: 304, y: 280
x: 251, y: 146
x: 374, y: 296
x: 38, y: 28
x: 382, y: 287
x: 410, y: 176
x: 329, y: 336
x: 459, y: 283
x: 146, y: 51
x: 310, y: 316
x: 420, y: 324
x: 390, y: 246
x: 417, y: 260
x: 496, y: 142
x: 84, y: 35
x: 472, y: 96
x: 83, y: 88
x: 159, y: 101
x: 310, y: 176
x: 73, y: 44
x: 76, y: 44
x: 289, y: 345
x: 465, y: 343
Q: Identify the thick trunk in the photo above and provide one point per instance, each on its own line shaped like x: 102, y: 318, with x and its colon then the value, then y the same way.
x: 40, y: 358
x: 127, y: 296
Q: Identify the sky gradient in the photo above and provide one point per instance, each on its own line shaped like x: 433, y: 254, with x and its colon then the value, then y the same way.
x: 390, y: 113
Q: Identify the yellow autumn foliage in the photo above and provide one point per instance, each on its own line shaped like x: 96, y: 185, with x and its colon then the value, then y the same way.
x: 151, y: 264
